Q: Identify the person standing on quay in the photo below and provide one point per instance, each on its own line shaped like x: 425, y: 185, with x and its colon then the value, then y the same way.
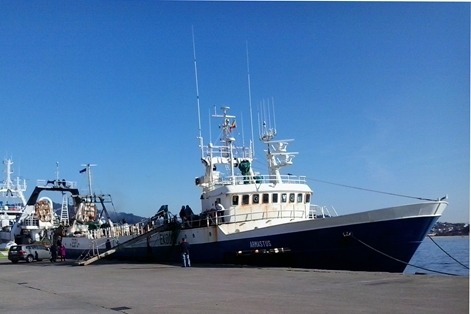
x: 185, y: 249
x: 53, y: 253
x: 62, y: 253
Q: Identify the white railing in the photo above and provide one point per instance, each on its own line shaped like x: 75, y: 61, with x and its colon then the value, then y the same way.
x: 121, y: 230
x: 223, y: 152
x: 317, y: 211
x: 44, y: 183
x: 258, y: 179
x: 30, y: 222
x: 211, y: 218
x: 215, y: 218
x: 263, y: 215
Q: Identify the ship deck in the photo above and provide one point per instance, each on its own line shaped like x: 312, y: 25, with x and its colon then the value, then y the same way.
x: 110, y: 287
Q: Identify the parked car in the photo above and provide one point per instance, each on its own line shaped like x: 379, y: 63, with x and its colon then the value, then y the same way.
x: 28, y: 253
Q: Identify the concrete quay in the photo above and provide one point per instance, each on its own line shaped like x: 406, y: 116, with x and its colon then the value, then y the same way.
x: 109, y: 287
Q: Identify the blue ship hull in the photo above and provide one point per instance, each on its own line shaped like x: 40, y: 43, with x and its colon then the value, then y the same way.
x: 373, y: 246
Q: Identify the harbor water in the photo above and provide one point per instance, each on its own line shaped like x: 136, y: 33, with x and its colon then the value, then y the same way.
x: 430, y: 257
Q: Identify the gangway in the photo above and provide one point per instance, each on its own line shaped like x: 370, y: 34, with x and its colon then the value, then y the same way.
x: 86, y: 261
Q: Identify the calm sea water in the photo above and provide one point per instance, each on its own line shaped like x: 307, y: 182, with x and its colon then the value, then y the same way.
x: 430, y: 256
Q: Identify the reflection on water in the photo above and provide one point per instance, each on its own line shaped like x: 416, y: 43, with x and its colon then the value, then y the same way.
x: 430, y: 256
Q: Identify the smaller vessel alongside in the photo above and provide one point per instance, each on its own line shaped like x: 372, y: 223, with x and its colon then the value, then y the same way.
x: 39, y: 223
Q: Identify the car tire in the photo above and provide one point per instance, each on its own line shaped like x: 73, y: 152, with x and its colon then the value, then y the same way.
x: 14, y: 261
x: 29, y: 258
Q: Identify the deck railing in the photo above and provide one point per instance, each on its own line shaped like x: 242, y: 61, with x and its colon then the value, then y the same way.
x: 258, y: 179
x: 44, y: 183
x: 202, y: 220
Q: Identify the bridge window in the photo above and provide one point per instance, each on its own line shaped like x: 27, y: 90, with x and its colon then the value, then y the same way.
x: 291, y: 197
x: 308, y: 197
x: 274, y: 198
x: 245, y: 199
x: 255, y: 199
x: 283, y: 197
x: 265, y: 198
x: 300, y: 198
x: 235, y: 199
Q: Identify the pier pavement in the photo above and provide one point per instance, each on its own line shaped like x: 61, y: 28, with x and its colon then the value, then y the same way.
x: 115, y: 287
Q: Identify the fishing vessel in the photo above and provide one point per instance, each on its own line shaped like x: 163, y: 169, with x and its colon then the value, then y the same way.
x: 264, y: 219
x: 246, y: 217
x: 12, y: 202
x: 38, y: 221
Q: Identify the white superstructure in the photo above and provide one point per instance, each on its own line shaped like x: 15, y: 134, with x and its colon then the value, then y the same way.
x: 12, y: 198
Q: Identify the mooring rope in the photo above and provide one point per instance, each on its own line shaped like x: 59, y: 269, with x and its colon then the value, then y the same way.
x: 447, y: 253
x: 397, y: 260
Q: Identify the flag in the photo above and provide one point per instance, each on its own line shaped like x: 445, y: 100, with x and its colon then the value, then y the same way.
x: 233, y: 126
x: 83, y: 170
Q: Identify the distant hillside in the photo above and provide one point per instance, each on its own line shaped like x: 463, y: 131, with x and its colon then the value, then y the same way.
x: 115, y: 217
x: 130, y: 218
x: 450, y: 229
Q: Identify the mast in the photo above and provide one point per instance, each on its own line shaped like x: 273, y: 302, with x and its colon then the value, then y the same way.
x: 252, y: 142
x: 200, y: 138
x: 88, y: 168
x: 276, y: 153
x: 57, y: 172
x: 227, y: 139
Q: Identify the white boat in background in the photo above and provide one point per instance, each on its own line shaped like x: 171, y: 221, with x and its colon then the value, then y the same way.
x: 12, y: 201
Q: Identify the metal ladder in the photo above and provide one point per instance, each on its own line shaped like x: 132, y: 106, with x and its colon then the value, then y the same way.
x: 65, y: 210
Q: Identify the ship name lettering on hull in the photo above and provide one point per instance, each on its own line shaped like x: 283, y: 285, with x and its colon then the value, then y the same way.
x: 255, y: 244
x: 74, y: 243
x: 165, y: 239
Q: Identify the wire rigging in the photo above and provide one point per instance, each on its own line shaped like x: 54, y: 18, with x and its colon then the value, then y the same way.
x: 370, y: 190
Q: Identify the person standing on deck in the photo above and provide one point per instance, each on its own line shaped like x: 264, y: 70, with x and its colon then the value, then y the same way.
x: 182, y: 215
x: 220, y: 210
x: 185, y: 249
x: 189, y: 215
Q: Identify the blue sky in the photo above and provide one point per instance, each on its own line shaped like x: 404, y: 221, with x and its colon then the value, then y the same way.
x: 376, y: 95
